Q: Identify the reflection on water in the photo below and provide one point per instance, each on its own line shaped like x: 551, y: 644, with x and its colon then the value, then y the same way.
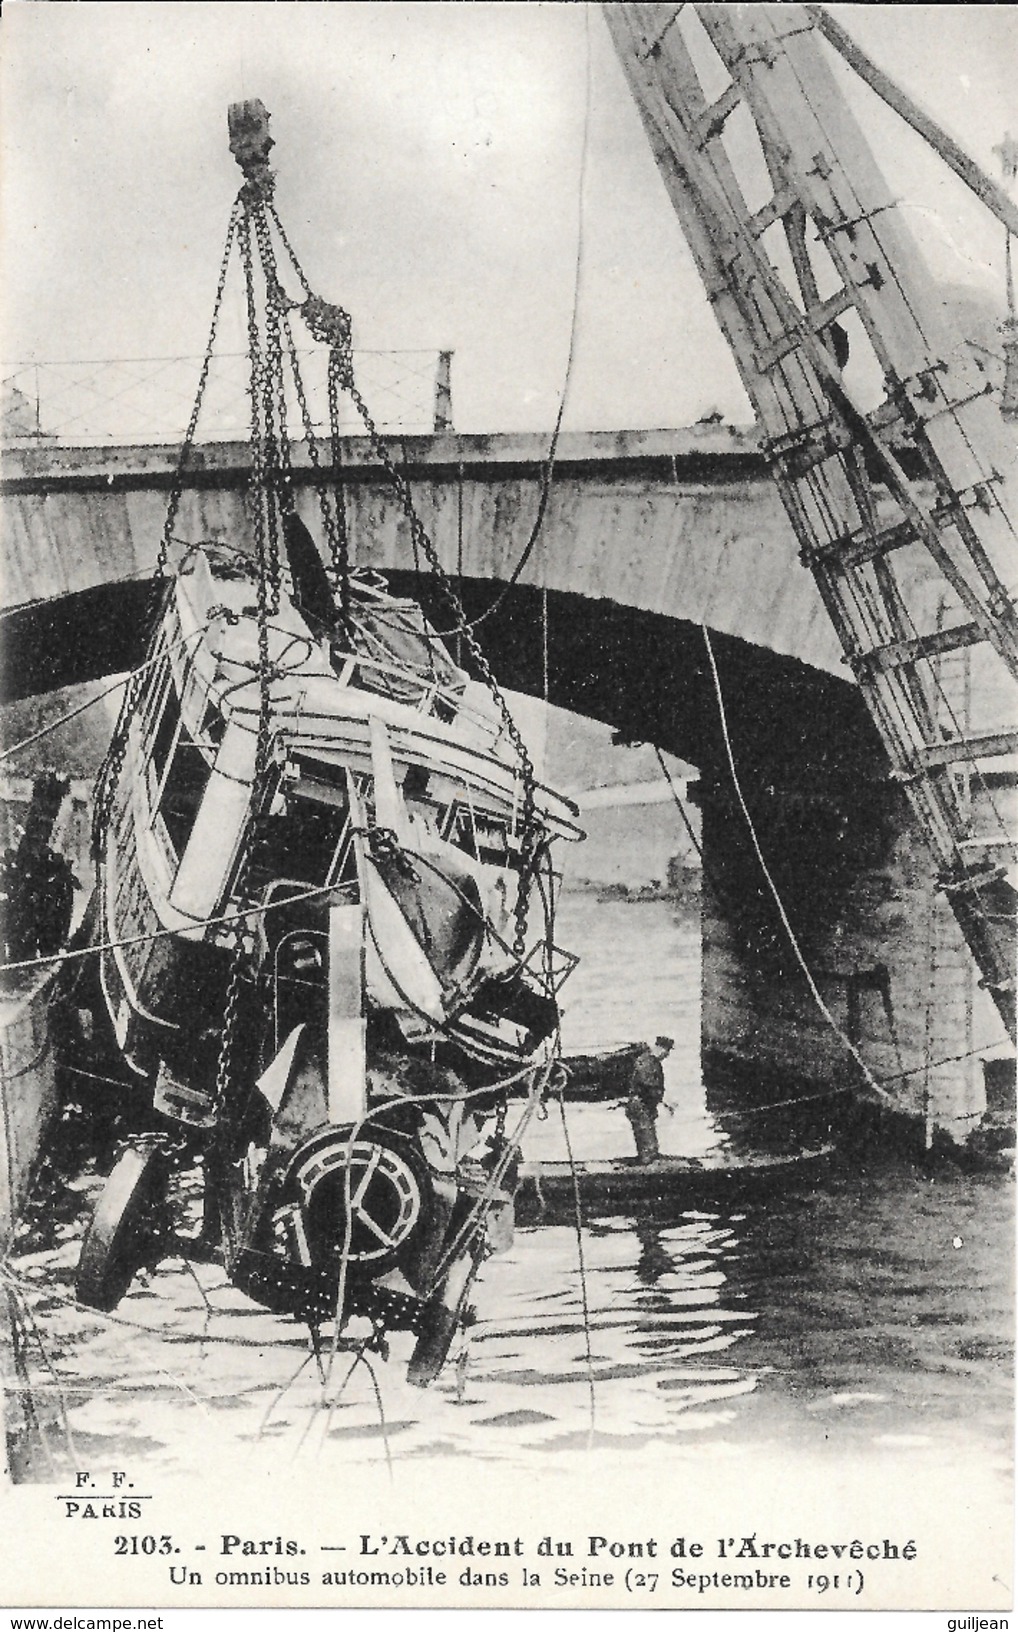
x: 873, y: 1311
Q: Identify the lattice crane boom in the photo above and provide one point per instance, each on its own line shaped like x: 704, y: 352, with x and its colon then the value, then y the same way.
x: 889, y: 450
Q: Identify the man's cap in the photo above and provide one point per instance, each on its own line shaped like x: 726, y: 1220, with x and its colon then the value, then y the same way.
x: 664, y: 1042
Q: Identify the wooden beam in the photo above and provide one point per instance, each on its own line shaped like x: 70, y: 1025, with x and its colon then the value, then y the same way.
x: 347, y: 1081
x: 900, y: 652
x: 962, y: 750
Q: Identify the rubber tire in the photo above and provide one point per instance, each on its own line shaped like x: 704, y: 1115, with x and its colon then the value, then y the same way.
x: 124, y: 1225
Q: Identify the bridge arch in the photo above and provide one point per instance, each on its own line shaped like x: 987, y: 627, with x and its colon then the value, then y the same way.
x: 685, y: 524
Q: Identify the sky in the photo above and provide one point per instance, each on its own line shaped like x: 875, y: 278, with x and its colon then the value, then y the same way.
x: 429, y: 161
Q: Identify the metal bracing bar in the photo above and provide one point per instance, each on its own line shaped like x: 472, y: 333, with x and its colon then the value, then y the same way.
x: 914, y: 682
x: 799, y: 451
x: 972, y: 883
x: 828, y: 229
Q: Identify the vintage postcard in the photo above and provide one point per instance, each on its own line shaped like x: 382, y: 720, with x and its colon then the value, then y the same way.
x: 508, y: 785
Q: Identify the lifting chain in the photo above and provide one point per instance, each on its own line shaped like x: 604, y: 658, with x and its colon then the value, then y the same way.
x: 387, y: 851
x: 260, y: 491
x: 332, y: 326
x: 333, y: 521
x: 111, y: 769
x: 271, y: 494
x: 528, y: 822
x: 177, y: 488
x: 340, y: 540
x: 267, y: 484
x: 109, y: 773
x: 277, y: 433
x: 500, y: 1120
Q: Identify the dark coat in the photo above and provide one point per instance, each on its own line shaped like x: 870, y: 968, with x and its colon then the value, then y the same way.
x: 647, y: 1082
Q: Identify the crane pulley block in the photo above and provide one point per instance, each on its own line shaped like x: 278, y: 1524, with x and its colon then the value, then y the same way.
x: 250, y: 142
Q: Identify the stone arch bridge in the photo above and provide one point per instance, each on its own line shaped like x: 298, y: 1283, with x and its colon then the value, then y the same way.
x: 647, y: 537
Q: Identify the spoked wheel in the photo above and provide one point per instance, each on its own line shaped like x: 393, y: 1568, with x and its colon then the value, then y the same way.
x: 368, y: 1201
x: 128, y: 1220
x: 439, y: 1320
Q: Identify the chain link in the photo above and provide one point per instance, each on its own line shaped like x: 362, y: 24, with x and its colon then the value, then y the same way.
x: 386, y: 849
x: 279, y: 469
x: 266, y: 395
x: 284, y: 240
x: 333, y: 326
x: 341, y: 540
x: 258, y: 486
x: 334, y: 524
x: 111, y: 769
x: 176, y: 491
x: 267, y: 490
x: 501, y: 1113
x: 108, y: 777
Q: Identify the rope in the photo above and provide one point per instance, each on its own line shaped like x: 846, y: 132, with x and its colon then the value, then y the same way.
x: 549, y: 466
x: 678, y: 802
x: 168, y: 1334
x: 73, y: 952
x: 124, y: 680
x: 582, y: 1266
x: 23, y: 1070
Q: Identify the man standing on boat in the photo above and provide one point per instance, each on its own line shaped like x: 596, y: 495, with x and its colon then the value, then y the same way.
x: 646, y: 1092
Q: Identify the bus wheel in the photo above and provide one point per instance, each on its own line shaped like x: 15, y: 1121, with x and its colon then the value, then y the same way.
x: 127, y: 1225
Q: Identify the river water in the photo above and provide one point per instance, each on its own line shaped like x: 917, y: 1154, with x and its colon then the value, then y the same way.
x: 869, y: 1316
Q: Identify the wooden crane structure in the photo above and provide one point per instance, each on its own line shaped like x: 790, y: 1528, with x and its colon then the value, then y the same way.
x: 888, y: 446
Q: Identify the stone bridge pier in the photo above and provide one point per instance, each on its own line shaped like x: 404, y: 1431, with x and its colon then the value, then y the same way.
x: 860, y: 978
x: 834, y: 972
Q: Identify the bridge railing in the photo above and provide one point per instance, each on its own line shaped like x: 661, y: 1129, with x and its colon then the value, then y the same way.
x: 146, y: 400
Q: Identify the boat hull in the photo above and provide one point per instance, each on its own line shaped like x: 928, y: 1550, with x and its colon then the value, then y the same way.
x: 675, y: 1183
